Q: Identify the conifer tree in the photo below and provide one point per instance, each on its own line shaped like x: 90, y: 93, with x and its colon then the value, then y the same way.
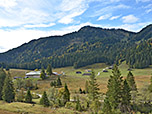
x: 78, y: 105
x: 28, y: 97
x: 93, y: 88
x: 131, y: 81
x: 44, y: 100
x: 58, y: 82
x: 67, y: 93
x: 49, y: 70
x: 86, y: 86
x: 107, y: 109
x: 42, y: 75
x: 2, y: 78
x: 8, y: 89
x: 126, y: 98
x: 114, y: 92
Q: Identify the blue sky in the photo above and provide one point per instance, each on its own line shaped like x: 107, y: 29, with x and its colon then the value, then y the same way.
x: 24, y: 20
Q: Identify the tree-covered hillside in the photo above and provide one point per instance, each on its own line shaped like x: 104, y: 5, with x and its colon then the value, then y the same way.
x: 87, y: 46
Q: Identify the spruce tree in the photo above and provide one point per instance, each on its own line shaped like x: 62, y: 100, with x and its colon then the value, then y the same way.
x: 93, y: 88
x: 2, y: 79
x: 107, y: 109
x: 67, y: 93
x: 114, y: 92
x: 8, y: 89
x: 131, y: 81
x: 126, y: 98
x: 49, y: 70
x: 58, y: 82
x: 28, y: 97
x: 42, y: 75
x: 44, y: 100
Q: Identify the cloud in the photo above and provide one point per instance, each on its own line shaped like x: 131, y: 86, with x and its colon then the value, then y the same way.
x: 103, y: 17
x: 129, y: 19
x: 39, y: 25
x: 8, y: 3
x: 69, y: 18
x: 114, y: 17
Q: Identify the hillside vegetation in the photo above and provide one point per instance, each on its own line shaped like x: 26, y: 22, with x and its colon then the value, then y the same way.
x: 87, y: 46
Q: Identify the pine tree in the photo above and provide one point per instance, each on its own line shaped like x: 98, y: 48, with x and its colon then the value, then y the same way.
x: 78, y: 105
x: 42, y: 75
x: 107, y: 109
x: 28, y: 97
x: 131, y: 81
x: 126, y: 98
x: 114, y: 92
x: 49, y: 70
x: 44, y: 100
x: 8, y: 89
x: 2, y: 79
x: 93, y: 88
x: 86, y: 87
x: 58, y: 82
x: 67, y: 93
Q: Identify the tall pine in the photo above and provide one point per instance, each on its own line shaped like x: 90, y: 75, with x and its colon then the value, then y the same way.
x: 126, y: 98
x: 93, y: 94
x: 114, y: 92
x: 44, y: 100
x: 2, y: 78
x: 67, y: 93
x: 93, y: 88
x: 131, y: 81
x: 8, y: 89
x: 49, y: 70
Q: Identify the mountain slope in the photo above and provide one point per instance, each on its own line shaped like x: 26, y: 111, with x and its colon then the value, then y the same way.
x: 86, y: 46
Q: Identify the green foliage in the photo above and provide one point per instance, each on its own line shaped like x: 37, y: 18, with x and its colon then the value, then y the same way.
x: 131, y: 81
x: 28, y: 97
x: 8, y: 89
x: 78, y: 105
x: 44, y: 100
x: 42, y: 75
x: 93, y: 88
x: 49, y: 70
x: 114, y: 92
x: 126, y: 98
x: 2, y: 78
x: 58, y: 82
x: 89, y: 45
x: 107, y: 109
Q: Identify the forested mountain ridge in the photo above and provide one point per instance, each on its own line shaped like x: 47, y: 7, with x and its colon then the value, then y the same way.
x: 86, y: 46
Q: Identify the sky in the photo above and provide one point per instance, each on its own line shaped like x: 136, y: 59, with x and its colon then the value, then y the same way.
x: 24, y: 20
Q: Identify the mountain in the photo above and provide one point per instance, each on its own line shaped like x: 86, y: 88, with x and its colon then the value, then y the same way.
x: 86, y: 46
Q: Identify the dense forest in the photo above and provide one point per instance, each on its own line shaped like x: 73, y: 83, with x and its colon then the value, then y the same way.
x: 84, y: 47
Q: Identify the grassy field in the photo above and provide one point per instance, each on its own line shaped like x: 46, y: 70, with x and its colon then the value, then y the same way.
x: 74, y: 82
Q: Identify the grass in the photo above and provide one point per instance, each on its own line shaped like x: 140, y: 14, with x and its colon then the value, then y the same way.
x: 74, y: 82
x: 23, y: 108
